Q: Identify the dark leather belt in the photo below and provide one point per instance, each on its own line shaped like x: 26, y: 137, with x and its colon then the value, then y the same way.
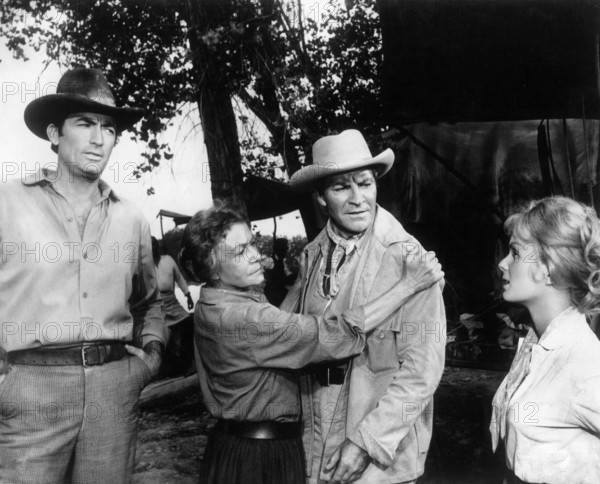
x: 329, y: 375
x: 260, y: 430
x: 88, y: 354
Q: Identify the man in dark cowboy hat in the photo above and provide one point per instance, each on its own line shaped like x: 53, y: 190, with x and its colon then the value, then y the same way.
x: 370, y: 420
x: 81, y: 319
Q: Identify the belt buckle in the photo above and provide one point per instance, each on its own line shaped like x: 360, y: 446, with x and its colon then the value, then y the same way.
x: 84, y: 360
x: 328, y: 376
x: 83, y: 356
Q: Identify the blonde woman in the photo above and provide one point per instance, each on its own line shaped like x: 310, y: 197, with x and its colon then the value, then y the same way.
x: 547, y: 409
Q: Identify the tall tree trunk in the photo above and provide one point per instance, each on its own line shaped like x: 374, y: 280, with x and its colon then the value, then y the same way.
x: 265, y: 105
x: 214, y: 102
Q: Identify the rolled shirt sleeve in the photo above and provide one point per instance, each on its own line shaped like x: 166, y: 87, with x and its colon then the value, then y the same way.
x: 297, y: 340
x: 259, y: 335
x: 145, y: 304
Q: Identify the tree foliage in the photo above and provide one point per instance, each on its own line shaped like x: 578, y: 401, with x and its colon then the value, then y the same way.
x: 295, y: 246
x: 302, y: 72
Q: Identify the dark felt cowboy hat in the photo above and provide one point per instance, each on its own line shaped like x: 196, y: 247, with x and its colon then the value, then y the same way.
x: 340, y: 153
x: 79, y: 90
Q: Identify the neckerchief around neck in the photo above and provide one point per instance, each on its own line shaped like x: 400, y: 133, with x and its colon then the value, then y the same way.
x: 338, y: 252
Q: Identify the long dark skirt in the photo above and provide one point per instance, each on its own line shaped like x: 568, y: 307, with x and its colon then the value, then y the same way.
x: 235, y: 460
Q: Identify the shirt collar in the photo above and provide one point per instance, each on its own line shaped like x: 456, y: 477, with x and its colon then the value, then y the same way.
x: 106, y: 191
x: 40, y: 176
x: 44, y: 176
x: 349, y: 244
x: 561, y: 329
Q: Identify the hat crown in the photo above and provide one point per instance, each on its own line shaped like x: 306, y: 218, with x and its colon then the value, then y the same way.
x: 340, y: 153
x: 90, y: 83
x: 341, y: 150
x: 80, y: 90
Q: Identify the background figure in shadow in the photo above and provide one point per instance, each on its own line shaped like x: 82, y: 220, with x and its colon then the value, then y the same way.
x: 179, y: 355
x: 276, y: 278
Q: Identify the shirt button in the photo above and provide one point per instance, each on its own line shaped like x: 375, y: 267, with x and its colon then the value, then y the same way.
x: 70, y: 219
x: 84, y: 295
x: 85, y: 256
x: 381, y: 335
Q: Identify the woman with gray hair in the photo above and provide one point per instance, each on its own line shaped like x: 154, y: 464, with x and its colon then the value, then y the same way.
x: 547, y: 409
x: 246, y: 349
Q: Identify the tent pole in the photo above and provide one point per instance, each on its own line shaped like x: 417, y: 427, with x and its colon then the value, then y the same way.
x: 542, y: 146
x: 587, y: 155
x: 274, y: 232
x: 568, y: 158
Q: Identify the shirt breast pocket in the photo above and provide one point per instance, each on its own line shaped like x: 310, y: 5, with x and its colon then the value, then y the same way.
x: 380, y: 355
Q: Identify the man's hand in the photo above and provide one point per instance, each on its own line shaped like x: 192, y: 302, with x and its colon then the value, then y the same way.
x: 151, y: 355
x: 423, y: 272
x: 349, y: 462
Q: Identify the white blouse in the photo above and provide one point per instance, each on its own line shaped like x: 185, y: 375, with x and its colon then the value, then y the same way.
x: 552, y: 425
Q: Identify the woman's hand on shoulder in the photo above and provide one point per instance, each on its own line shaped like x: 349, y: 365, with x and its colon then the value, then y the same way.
x: 423, y: 272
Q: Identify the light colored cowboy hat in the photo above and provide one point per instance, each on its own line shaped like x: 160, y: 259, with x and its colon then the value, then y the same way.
x: 340, y: 153
x: 79, y: 90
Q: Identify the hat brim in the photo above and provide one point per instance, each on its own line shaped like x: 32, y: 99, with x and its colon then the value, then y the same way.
x: 42, y: 111
x: 306, y: 177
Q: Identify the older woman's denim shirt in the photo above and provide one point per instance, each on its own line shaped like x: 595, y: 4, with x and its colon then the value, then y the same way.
x: 249, y: 348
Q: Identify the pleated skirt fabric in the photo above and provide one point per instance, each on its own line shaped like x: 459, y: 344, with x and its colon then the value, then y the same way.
x: 229, y: 459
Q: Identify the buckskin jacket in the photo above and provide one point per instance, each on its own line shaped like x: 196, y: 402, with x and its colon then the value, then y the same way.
x: 386, y: 402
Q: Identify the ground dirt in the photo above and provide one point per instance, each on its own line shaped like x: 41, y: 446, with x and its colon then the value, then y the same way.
x: 173, y: 434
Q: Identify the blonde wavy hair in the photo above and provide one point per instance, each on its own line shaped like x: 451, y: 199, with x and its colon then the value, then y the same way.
x: 566, y: 235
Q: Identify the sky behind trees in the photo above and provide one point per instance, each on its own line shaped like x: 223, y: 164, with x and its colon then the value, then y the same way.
x: 181, y: 185
x: 180, y: 182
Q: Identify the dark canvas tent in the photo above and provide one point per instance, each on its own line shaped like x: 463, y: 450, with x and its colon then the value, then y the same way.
x: 490, y: 60
x: 491, y: 103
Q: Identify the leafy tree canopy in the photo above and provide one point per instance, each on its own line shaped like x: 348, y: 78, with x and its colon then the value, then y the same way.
x: 303, y: 73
